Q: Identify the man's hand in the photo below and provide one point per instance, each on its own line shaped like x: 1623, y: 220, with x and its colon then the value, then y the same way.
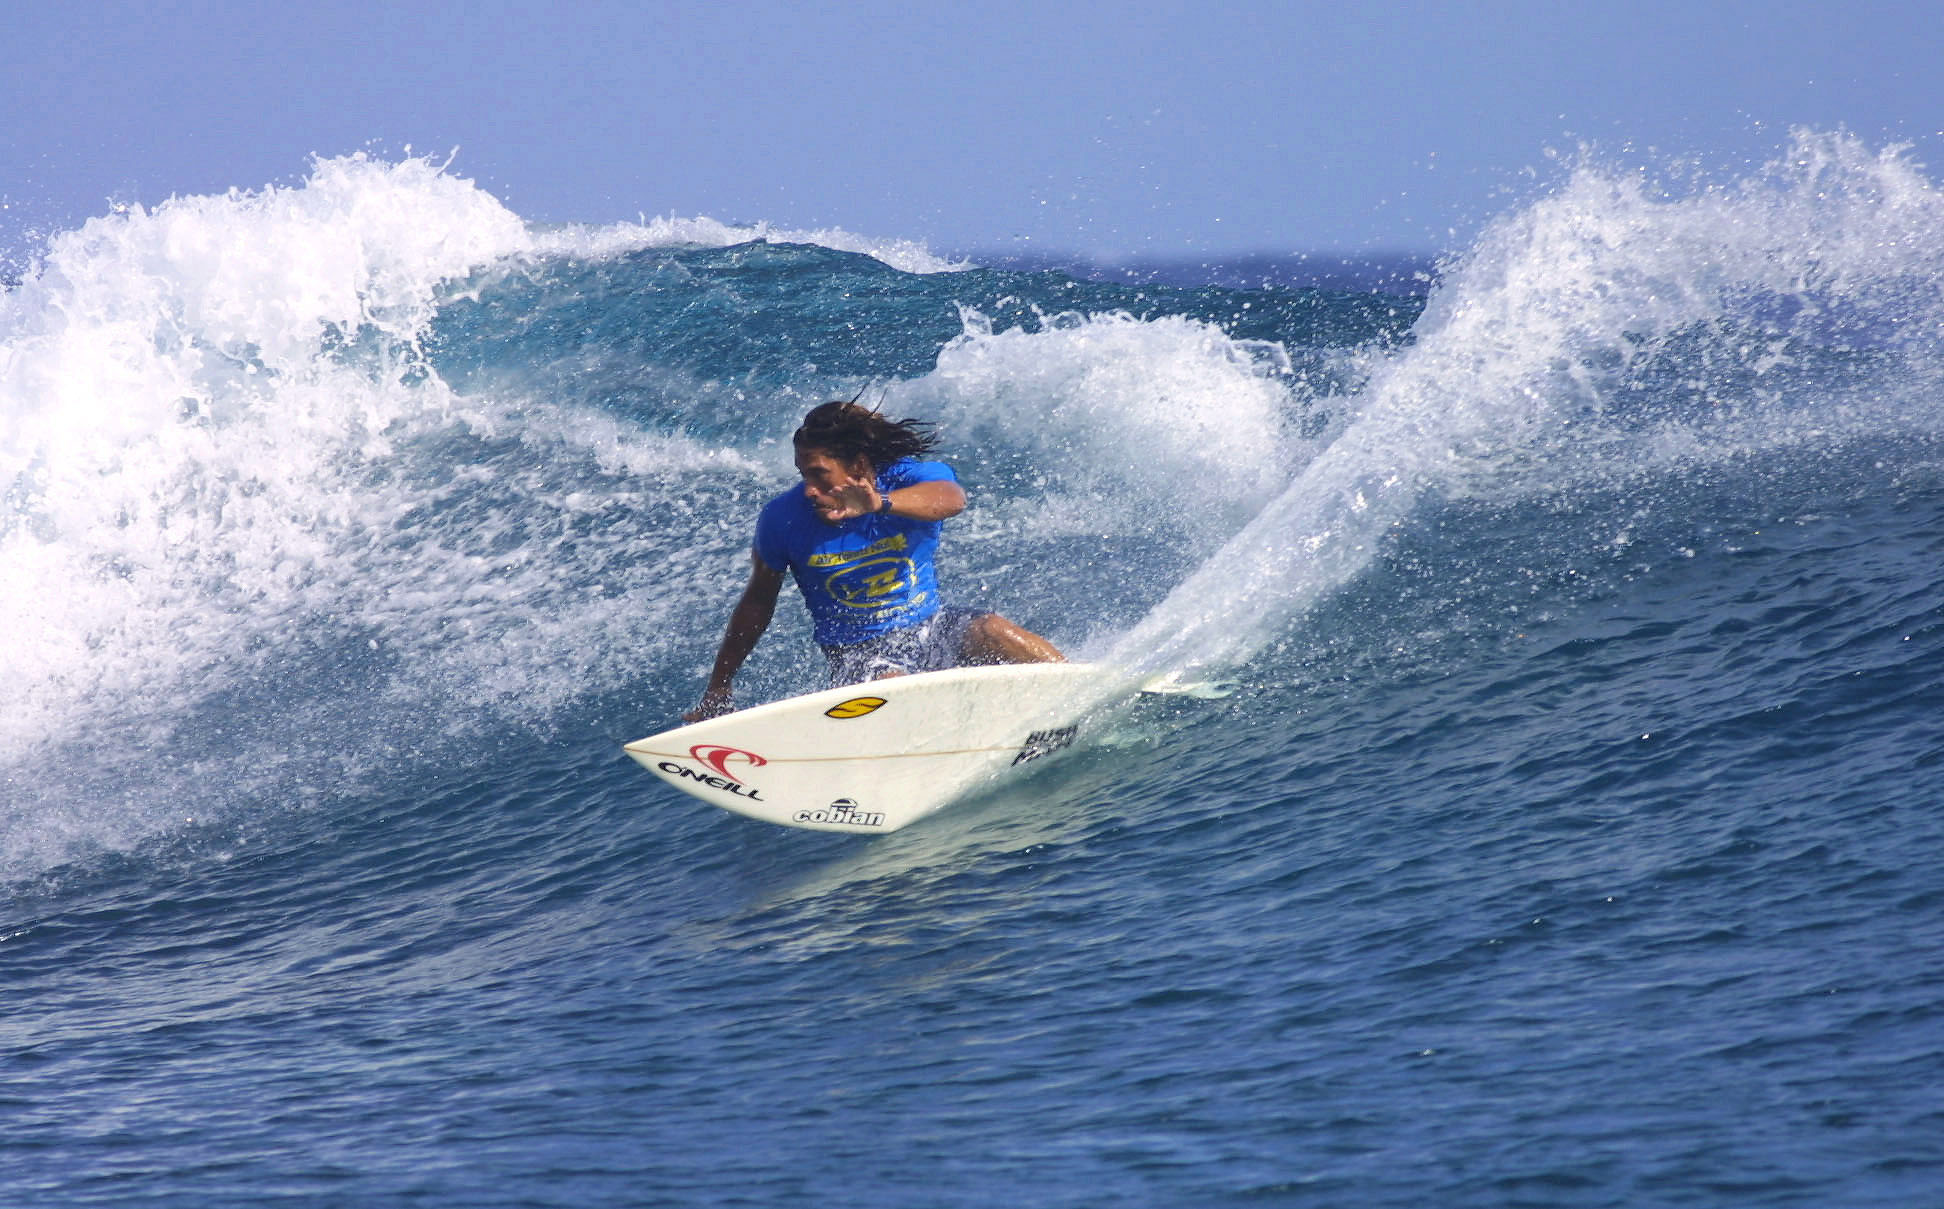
x: 850, y: 500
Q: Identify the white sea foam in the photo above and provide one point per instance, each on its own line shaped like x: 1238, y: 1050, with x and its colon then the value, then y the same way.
x: 1163, y: 418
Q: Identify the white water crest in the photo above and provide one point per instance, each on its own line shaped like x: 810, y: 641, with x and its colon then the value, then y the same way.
x: 186, y: 430
x: 254, y: 543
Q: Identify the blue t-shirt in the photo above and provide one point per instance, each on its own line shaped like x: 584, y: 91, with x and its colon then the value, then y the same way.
x: 866, y: 577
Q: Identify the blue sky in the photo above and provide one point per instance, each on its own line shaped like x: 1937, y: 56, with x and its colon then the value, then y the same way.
x: 1140, y: 129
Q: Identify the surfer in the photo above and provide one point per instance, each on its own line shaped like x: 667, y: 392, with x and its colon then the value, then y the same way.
x: 859, y: 534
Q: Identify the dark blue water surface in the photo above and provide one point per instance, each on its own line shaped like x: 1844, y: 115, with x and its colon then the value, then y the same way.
x: 1555, y: 820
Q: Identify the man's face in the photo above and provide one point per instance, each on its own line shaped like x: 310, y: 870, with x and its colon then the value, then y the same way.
x: 825, y: 477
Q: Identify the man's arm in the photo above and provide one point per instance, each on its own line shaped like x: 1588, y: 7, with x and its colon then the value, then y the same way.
x: 932, y: 500
x: 747, y: 622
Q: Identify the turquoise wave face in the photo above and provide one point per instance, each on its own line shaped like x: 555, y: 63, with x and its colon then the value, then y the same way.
x: 367, y: 456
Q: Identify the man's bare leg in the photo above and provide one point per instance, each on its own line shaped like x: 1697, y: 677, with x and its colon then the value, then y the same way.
x: 993, y: 639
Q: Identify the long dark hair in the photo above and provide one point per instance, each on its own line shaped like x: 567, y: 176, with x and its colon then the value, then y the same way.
x: 845, y: 430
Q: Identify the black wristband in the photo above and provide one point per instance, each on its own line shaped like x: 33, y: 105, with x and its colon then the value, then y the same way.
x: 884, y: 503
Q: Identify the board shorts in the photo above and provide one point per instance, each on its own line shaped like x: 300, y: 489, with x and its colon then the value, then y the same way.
x: 932, y: 645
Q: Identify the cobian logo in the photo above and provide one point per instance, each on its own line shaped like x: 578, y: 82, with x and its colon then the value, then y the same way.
x: 844, y: 812
x: 856, y: 707
x: 720, y: 758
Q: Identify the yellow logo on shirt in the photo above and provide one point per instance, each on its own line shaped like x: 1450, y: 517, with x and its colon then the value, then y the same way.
x: 834, y: 558
x: 865, y: 585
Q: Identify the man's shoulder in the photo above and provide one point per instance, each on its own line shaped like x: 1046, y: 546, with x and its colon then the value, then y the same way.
x: 786, y: 503
x: 784, y: 516
x: 906, y: 471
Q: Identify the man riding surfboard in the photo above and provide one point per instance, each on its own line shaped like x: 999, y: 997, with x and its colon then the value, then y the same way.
x: 858, y: 534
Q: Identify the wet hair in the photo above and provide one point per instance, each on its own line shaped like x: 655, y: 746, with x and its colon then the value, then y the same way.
x: 845, y: 430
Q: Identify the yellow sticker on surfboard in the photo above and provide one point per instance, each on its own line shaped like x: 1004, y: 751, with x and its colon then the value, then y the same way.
x: 856, y: 707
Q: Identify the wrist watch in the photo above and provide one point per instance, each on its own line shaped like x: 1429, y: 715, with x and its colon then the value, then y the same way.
x: 884, y: 503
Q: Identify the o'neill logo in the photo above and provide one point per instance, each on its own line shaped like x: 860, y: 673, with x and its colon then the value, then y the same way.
x: 713, y: 755
x: 720, y: 758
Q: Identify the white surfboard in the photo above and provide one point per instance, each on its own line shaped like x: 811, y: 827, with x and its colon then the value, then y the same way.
x: 873, y: 757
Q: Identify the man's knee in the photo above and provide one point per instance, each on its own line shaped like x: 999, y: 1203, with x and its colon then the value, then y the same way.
x: 993, y: 639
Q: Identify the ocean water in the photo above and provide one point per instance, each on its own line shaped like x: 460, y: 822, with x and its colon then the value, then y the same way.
x: 1558, y: 820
